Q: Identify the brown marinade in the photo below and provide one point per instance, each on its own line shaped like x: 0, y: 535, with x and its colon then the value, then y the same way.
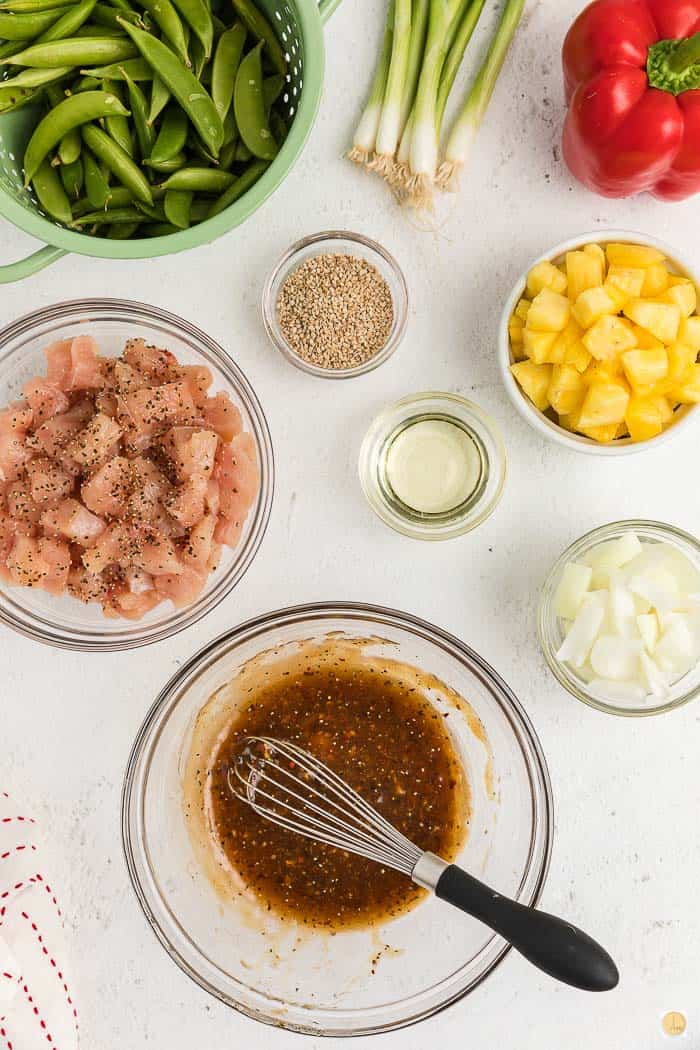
x: 391, y: 744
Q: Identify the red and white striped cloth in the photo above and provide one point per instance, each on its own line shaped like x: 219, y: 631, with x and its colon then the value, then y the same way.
x: 36, y: 1004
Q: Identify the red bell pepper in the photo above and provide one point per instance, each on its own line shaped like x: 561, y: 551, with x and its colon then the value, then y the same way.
x: 632, y: 74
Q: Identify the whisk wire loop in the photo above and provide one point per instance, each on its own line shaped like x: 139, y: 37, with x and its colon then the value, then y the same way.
x: 317, y: 804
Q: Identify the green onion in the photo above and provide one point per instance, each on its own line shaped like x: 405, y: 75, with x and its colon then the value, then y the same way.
x: 467, y: 124
x: 365, y: 138
x: 389, y: 128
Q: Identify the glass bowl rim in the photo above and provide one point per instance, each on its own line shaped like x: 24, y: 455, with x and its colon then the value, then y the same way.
x: 461, y: 526
x: 175, y: 690
x: 131, y: 637
x: 584, y: 542
x: 284, y: 265
x: 537, y: 420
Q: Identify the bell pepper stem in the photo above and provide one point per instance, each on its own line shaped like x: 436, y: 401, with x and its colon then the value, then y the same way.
x: 674, y: 65
x: 687, y: 54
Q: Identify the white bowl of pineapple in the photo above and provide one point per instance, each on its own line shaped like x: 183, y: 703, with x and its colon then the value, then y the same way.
x: 599, y: 343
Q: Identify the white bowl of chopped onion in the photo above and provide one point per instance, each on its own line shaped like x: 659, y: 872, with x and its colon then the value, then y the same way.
x: 544, y: 422
x: 619, y: 618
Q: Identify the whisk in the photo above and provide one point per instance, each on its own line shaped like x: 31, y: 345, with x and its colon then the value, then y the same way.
x: 293, y: 789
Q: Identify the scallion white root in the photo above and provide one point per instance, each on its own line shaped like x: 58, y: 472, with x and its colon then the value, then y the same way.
x: 467, y: 124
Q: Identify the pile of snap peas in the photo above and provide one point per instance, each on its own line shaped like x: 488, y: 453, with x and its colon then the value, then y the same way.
x: 155, y: 114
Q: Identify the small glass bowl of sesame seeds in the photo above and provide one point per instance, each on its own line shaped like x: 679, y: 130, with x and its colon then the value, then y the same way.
x: 336, y: 304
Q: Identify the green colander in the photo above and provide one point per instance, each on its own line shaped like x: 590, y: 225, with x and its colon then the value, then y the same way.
x: 299, y: 24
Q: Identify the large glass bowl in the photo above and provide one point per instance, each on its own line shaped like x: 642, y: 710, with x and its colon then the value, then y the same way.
x: 64, y: 621
x: 357, y: 982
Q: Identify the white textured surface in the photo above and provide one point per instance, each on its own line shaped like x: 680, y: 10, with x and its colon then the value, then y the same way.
x: 627, y: 793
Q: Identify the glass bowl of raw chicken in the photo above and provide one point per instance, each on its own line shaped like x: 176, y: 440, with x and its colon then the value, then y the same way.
x: 136, y: 474
x: 619, y: 618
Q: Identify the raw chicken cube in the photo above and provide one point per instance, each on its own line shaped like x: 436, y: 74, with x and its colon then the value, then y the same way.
x: 107, y: 491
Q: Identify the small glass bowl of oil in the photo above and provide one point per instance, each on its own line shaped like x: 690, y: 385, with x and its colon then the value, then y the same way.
x: 432, y: 466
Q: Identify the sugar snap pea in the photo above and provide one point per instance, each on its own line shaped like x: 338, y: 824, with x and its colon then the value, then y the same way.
x: 241, y: 153
x: 177, y: 205
x: 249, y: 107
x: 145, y: 134
x: 26, y: 26
x: 261, y: 29
x: 112, y: 196
x: 166, y: 17
x: 118, y: 161
x: 32, y: 78
x: 32, y: 6
x: 159, y: 229
x: 69, y: 147
x: 97, y: 188
x: 68, y: 114
x: 122, y: 231
x: 168, y: 166
x: 118, y: 125
x: 198, y: 58
x: 272, y: 89
x: 11, y: 47
x: 198, y: 17
x: 136, y: 68
x: 72, y: 178
x: 227, y: 58
x: 74, y: 51
x: 227, y: 157
x: 105, y: 15
x: 12, y: 98
x: 230, y: 128
x: 108, y: 216
x: 241, y: 185
x: 160, y: 96
x: 50, y: 192
x: 199, y: 180
x: 68, y: 23
x: 183, y: 85
x: 101, y: 32
x: 171, y: 136
x: 123, y: 5
x: 154, y: 212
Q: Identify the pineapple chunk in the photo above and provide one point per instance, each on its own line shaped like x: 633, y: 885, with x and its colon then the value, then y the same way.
x: 549, y: 312
x: 609, y: 371
x: 689, y: 332
x: 545, y: 275
x: 628, y: 279
x: 592, y: 304
x: 688, y: 392
x: 603, y: 435
x: 681, y: 358
x: 636, y: 255
x: 608, y: 337
x: 661, y: 319
x: 522, y: 308
x: 538, y: 345
x: 578, y: 356
x: 655, y: 280
x: 583, y: 272
x: 643, y: 368
x: 515, y: 329
x: 643, y: 418
x: 684, y: 295
x: 605, y: 404
x: 596, y: 252
x: 645, y: 340
x: 566, y: 389
x: 534, y: 381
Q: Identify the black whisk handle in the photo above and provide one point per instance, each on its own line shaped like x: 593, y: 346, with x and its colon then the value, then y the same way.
x: 555, y: 946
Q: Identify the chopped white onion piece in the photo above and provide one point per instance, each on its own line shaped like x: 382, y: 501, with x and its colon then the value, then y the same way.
x: 584, y: 630
x: 655, y: 680
x: 573, y: 586
x: 648, y: 627
x: 677, y: 648
x: 615, y: 658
